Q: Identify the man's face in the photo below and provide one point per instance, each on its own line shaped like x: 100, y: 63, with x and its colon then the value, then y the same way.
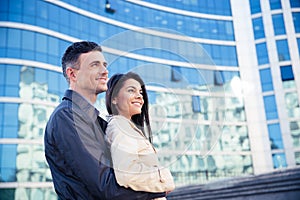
x: 92, y: 74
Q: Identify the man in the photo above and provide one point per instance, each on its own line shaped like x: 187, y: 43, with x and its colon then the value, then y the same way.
x: 75, y: 149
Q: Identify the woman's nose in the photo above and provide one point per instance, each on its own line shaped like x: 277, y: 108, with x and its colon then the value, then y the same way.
x: 138, y: 95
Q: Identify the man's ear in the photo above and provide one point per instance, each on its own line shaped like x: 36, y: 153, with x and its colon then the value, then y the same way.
x: 71, y: 73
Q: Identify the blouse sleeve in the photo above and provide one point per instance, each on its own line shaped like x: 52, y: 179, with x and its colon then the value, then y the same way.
x: 135, y: 161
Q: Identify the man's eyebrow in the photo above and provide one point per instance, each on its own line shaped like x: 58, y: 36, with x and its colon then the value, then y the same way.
x: 98, y: 62
x: 95, y: 62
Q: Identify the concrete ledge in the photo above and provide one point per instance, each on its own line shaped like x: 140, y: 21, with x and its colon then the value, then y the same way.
x: 279, y: 185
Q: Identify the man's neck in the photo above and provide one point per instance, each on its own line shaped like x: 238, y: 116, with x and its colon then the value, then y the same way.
x: 91, y: 98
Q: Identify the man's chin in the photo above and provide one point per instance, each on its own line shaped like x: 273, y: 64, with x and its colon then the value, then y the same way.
x: 100, y: 90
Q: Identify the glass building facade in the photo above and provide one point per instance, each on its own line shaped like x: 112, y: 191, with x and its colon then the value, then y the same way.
x: 223, y: 78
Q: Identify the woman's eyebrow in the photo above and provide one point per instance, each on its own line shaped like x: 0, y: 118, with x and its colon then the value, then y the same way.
x: 131, y: 86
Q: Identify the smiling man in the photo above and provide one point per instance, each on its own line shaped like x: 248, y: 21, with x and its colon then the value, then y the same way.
x: 75, y: 149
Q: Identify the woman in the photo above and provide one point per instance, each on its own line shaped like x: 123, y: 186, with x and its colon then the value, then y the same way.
x: 134, y: 157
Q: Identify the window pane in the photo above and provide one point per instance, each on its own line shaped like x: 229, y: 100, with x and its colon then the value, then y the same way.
x: 262, y: 53
x: 196, y: 104
x: 279, y: 160
x: 275, y: 136
x: 28, y: 40
x: 275, y: 4
x: 295, y: 3
x: 255, y: 6
x: 14, y: 38
x: 283, y: 50
x: 278, y: 24
x: 258, y: 28
x: 270, y: 107
x: 286, y: 73
x: 298, y: 42
x: 266, y: 80
x: 296, y: 19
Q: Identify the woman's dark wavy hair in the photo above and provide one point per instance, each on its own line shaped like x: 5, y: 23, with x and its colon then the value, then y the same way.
x: 114, y: 85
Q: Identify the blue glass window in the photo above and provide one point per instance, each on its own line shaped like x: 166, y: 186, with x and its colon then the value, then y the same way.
x: 258, y: 28
x: 298, y: 42
x: 296, y: 19
x: 3, y: 35
x: 40, y: 76
x: 8, y: 160
x: 2, y: 82
x: 14, y: 38
x: 53, y: 48
x: 12, y: 79
x: 279, y: 160
x: 283, y: 50
x: 3, y: 10
x: 278, y: 24
x: 53, y: 83
x: 188, y: 25
x: 11, y: 117
x: 262, y: 53
x: 196, y: 104
x: 151, y: 97
x: 270, y: 107
x: 266, y: 80
x: 286, y: 73
x: 295, y: 3
x: 28, y: 40
x: 275, y: 136
x: 275, y: 4
x: 41, y: 44
x: 255, y: 6
x: 201, y: 6
x: 175, y: 74
x: 222, y: 55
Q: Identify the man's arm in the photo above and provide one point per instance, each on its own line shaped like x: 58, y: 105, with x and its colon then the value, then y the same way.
x: 82, y: 153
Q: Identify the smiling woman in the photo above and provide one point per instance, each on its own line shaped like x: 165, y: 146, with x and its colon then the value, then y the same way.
x: 134, y: 158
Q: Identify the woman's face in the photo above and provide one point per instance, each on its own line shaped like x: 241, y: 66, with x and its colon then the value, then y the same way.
x: 129, y: 101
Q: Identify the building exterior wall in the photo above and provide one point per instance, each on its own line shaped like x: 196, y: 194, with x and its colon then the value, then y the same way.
x: 223, y: 81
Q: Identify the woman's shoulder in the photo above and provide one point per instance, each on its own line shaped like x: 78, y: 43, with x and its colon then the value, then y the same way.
x: 120, y: 124
x: 114, y: 119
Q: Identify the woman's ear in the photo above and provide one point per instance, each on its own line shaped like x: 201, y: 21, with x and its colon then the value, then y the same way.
x: 114, y: 101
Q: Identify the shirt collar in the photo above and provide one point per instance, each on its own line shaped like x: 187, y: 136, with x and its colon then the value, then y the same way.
x: 82, y: 103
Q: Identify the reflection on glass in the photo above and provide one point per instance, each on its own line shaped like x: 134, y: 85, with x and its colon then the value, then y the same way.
x: 275, y: 136
x: 295, y: 132
x: 297, y: 158
x: 195, y: 169
x: 279, y: 160
x: 292, y: 104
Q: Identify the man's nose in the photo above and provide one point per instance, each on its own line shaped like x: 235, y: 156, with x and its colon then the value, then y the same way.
x: 104, y: 70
